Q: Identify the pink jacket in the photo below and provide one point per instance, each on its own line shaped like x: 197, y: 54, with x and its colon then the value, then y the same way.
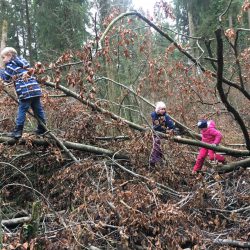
x: 210, y: 134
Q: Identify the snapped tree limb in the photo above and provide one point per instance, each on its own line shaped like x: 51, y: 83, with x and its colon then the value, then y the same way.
x: 70, y: 145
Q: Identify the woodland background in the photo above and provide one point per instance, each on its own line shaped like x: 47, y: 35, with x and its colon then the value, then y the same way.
x: 102, y: 65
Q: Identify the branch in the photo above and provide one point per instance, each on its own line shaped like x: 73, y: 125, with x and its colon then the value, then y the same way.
x: 223, y: 97
x: 68, y: 144
x: 112, y: 23
x: 232, y: 243
x: 233, y: 152
x: 192, y: 133
x: 229, y: 151
x: 234, y: 166
x: 15, y: 221
x: 170, y: 39
x: 61, y: 145
x: 94, y: 106
x: 21, y: 220
x: 110, y: 138
x: 225, y: 11
x: 166, y: 188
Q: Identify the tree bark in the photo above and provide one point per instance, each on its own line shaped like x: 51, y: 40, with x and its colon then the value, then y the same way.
x: 234, y: 166
x: 230, y: 21
x: 248, y: 15
x: 191, y: 27
x: 221, y: 91
x: 68, y: 144
x: 16, y: 221
x: 29, y: 32
x: 3, y: 38
x: 232, y: 243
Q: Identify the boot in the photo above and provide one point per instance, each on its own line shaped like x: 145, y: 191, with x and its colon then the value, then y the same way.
x: 40, y: 130
x: 17, y: 132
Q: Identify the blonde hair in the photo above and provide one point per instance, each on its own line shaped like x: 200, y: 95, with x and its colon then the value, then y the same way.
x: 159, y: 105
x: 8, y: 50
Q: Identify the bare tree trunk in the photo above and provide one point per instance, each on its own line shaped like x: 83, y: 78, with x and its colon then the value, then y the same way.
x: 29, y: 40
x: 191, y: 29
x: 248, y: 15
x: 3, y: 38
x: 230, y: 21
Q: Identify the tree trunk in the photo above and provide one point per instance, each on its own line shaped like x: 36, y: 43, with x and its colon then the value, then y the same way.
x: 230, y: 21
x: 3, y: 38
x: 248, y: 15
x: 191, y: 29
x: 29, y: 40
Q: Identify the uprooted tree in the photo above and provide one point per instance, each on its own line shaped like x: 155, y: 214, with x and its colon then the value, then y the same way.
x: 90, y: 171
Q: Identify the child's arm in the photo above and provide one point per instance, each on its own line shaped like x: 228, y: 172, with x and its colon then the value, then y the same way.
x: 1, y: 72
x: 6, y: 74
x: 217, y: 134
x: 20, y: 62
x: 170, y: 124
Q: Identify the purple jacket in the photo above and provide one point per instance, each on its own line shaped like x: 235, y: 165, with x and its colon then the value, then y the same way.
x: 210, y: 134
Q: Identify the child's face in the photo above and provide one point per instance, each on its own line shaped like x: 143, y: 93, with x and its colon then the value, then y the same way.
x: 162, y: 111
x: 6, y: 58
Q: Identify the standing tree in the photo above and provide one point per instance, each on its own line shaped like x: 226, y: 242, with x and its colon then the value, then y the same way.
x: 60, y: 26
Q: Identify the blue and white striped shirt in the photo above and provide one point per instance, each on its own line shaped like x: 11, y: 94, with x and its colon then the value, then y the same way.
x: 14, y: 71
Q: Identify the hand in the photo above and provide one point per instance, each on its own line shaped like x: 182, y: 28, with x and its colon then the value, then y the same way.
x: 170, y: 131
x: 25, y: 76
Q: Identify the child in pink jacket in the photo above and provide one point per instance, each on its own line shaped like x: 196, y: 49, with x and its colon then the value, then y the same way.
x: 209, y: 135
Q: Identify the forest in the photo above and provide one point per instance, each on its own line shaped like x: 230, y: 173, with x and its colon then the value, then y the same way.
x: 87, y: 182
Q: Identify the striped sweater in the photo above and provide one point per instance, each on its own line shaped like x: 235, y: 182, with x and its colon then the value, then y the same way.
x: 14, y: 71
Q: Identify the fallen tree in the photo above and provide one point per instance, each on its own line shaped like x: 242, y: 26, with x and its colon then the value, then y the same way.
x: 71, y: 145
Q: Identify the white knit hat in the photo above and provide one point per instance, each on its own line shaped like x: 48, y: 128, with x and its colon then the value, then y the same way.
x: 159, y: 105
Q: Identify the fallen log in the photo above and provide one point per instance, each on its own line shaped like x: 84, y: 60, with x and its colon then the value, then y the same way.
x: 16, y: 221
x: 228, y: 151
x: 234, y: 166
x: 178, y: 139
x: 68, y: 144
x: 232, y: 243
x: 25, y: 219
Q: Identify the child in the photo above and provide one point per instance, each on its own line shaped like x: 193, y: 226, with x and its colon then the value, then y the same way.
x: 27, y: 89
x: 212, y: 136
x: 161, y: 123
